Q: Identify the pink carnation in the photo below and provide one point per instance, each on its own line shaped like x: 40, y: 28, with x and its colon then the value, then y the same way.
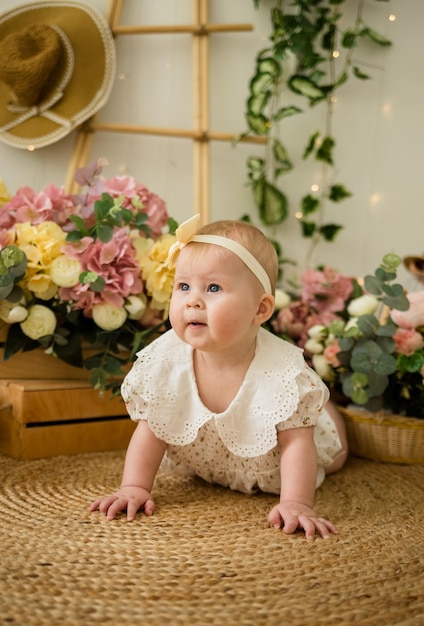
x: 114, y: 261
x: 52, y: 204
x: 407, y: 341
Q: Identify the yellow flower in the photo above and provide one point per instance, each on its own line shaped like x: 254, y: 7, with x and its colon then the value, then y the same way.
x: 4, y: 194
x: 158, y: 277
x: 39, y: 322
x: 41, y: 245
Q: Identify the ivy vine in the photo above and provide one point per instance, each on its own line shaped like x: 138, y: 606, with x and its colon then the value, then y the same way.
x: 310, y: 32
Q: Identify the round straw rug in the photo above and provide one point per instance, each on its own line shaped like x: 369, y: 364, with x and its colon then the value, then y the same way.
x: 207, y: 556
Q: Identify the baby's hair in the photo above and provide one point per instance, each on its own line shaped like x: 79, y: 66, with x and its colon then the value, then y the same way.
x: 251, y: 238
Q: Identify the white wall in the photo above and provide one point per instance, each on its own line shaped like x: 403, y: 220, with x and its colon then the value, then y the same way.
x: 377, y: 125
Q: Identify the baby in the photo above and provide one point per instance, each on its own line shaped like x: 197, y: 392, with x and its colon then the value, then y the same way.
x: 224, y: 398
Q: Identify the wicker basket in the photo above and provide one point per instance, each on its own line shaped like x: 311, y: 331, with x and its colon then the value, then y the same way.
x: 384, y: 437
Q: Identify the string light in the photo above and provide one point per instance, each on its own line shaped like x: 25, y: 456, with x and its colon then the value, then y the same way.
x: 315, y: 187
x: 336, y: 54
x: 392, y: 17
x: 298, y: 215
x: 122, y: 76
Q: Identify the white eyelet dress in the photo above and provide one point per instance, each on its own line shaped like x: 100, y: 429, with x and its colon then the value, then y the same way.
x: 237, y: 448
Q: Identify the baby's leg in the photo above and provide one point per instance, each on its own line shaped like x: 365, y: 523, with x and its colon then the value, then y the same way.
x: 341, y: 456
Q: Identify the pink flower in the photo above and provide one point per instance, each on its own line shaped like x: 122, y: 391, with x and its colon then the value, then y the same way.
x: 114, y: 261
x: 50, y: 205
x: 331, y: 353
x: 326, y: 291
x: 295, y: 321
x: 414, y: 316
x: 407, y: 341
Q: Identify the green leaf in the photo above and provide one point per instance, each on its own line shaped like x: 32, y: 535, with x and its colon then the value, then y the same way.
x: 308, y: 228
x: 349, y: 38
x: 270, y: 66
x: 359, y: 74
x: 257, y: 103
x: 258, y: 124
x: 306, y: 87
x: 255, y: 164
x: 104, y: 232
x: 311, y: 144
x: 325, y: 150
x: 80, y: 224
x: 281, y: 156
x: 273, y: 206
x: 260, y: 83
x: 338, y: 193
x: 376, y: 37
x: 329, y: 231
x: 372, y: 285
x: 309, y: 204
x: 286, y: 112
x: 368, y: 325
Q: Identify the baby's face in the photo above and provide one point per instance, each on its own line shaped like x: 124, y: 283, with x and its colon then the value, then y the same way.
x: 215, y: 299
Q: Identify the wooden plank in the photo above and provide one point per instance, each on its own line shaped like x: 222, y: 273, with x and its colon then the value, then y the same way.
x: 55, y: 401
x: 97, y: 435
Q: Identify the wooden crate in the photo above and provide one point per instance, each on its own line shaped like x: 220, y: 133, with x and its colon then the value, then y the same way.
x: 45, y: 418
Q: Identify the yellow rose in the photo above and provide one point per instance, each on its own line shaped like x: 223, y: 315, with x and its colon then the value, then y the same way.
x: 109, y: 317
x: 41, y: 321
x: 64, y: 271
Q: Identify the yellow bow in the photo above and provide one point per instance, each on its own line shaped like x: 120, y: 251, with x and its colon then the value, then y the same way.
x: 184, y: 233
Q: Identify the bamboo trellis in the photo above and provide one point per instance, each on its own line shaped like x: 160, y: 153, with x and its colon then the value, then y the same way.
x: 200, y: 133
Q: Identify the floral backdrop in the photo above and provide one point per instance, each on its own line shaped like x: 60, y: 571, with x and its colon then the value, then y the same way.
x: 85, y: 269
x: 89, y: 269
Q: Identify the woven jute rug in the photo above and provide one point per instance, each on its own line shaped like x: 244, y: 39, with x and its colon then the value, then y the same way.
x: 207, y: 556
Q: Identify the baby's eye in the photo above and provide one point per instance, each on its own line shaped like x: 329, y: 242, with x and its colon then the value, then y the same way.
x: 184, y: 286
x: 214, y: 288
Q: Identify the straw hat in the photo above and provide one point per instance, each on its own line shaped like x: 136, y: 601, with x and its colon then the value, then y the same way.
x: 415, y: 265
x: 57, y: 65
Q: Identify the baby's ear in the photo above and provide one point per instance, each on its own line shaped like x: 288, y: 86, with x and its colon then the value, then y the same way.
x: 265, y: 308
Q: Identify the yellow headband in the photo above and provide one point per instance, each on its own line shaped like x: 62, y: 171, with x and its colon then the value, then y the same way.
x: 185, y: 233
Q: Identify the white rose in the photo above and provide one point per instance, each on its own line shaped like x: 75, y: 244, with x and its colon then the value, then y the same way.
x: 11, y: 312
x: 135, y: 306
x: 314, y: 347
x: 41, y: 321
x: 282, y: 299
x: 108, y: 316
x: 364, y: 305
x: 322, y: 367
x: 65, y: 272
x: 317, y: 332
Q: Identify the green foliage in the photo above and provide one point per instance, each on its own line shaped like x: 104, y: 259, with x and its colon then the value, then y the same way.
x: 369, y: 367
x: 311, y: 32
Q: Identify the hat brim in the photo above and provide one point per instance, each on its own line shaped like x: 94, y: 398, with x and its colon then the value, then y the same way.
x: 415, y: 265
x: 90, y: 84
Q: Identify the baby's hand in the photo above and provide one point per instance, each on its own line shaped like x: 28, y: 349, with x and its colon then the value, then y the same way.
x: 293, y: 515
x: 130, y: 498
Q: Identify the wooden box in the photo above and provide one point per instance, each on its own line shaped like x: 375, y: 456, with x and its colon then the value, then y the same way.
x: 45, y: 418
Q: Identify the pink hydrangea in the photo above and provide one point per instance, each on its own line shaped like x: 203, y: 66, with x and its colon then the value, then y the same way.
x: 326, y: 291
x: 114, y: 261
x: 52, y: 205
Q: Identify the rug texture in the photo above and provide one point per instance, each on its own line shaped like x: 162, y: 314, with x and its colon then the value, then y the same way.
x: 207, y: 556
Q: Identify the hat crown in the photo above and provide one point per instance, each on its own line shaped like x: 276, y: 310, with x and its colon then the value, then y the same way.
x: 28, y: 60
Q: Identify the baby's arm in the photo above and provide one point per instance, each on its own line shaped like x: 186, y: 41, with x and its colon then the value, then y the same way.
x: 144, y: 455
x: 298, y: 478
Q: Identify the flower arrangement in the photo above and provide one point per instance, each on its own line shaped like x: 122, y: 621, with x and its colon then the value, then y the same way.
x: 366, y: 341
x: 85, y: 269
